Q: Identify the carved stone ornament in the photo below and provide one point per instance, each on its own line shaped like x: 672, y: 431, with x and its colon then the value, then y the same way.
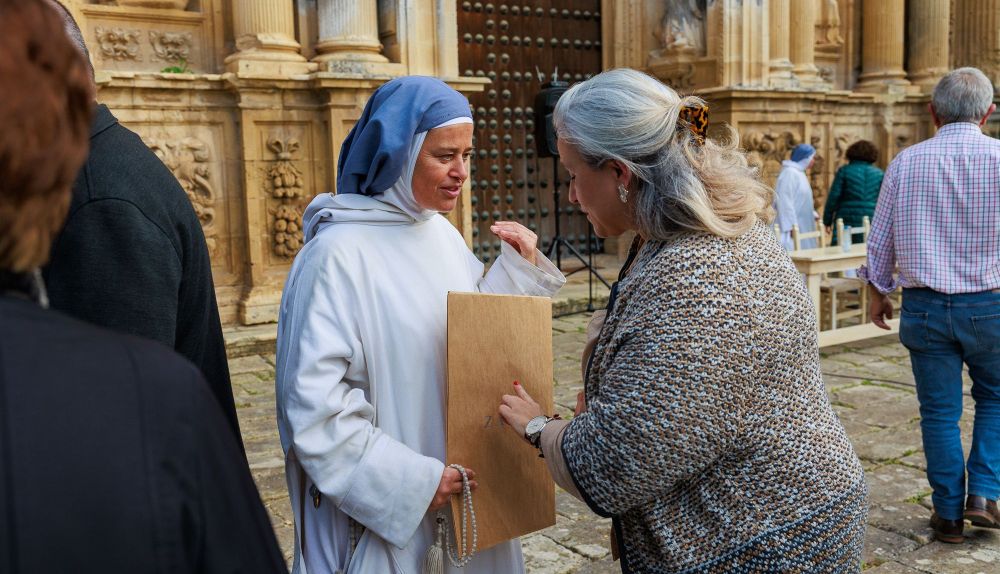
x: 188, y: 159
x: 285, y: 178
x: 118, y: 43
x: 287, y: 185
x: 682, y: 78
x: 682, y: 29
x: 771, y: 146
x: 161, y: 4
x: 828, y: 24
x: 817, y: 173
x: 171, y: 46
x: 287, y: 232
x: 842, y: 142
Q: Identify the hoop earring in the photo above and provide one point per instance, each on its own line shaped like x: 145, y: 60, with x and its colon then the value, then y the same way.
x: 622, y: 193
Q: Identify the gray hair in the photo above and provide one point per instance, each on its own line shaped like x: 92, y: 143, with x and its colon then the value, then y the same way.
x: 679, y: 184
x: 962, y: 95
x: 73, y: 31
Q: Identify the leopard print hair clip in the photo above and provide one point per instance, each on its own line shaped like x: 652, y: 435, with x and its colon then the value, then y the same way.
x: 695, y: 118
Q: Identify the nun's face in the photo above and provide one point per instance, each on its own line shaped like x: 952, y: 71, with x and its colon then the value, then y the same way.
x: 442, y: 167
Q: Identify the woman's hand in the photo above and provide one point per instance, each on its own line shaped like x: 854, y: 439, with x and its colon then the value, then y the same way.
x: 581, y: 404
x: 517, y: 410
x: 451, y: 484
x: 519, y: 237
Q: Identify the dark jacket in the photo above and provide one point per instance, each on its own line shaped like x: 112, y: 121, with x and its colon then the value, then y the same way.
x: 114, y: 457
x: 853, y: 194
x: 132, y: 256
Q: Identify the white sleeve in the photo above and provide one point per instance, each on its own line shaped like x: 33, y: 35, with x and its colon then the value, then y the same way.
x: 372, y: 477
x: 512, y: 274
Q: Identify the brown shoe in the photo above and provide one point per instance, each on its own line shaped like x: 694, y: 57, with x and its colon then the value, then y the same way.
x: 949, y: 531
x: 982, y: 512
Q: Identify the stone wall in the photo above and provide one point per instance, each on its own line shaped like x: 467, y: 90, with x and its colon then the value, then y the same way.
x: 248, y: 108
x: 247, y: 101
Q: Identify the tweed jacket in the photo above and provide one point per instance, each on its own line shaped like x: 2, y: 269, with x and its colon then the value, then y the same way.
x: 708, y: 435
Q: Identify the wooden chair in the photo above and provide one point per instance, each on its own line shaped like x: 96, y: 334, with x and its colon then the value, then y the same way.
x: 844, y: 297
x: 798, y: 236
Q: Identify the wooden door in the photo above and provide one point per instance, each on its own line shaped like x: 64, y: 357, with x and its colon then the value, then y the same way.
x: 510, y: 43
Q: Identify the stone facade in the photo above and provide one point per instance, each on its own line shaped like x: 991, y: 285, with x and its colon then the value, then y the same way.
x: 248, y: 101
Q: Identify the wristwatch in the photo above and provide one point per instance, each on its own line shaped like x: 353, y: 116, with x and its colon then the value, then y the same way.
x: 533, y: 430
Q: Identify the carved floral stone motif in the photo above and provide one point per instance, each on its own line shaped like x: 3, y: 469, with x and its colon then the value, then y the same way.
x: 287, y: 230
x: 286, y: 186
x: 286, y: 179
x: 171, y: 46
x: 188, y: 159
x: 118, y: 43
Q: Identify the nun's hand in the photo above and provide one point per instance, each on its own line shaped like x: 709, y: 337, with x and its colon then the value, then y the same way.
x: 519, y: 237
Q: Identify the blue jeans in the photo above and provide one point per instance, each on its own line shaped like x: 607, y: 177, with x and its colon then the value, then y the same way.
x: 941, y: 332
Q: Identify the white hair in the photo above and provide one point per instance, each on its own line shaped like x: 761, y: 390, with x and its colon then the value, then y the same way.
x: 962, y: 95
x: 678, y: 183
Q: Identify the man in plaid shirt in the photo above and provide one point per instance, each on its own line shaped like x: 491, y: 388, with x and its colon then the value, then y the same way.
x: 938, y: 223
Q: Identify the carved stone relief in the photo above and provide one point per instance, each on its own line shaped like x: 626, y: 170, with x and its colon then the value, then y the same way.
x: 767, y: 150
x: 682, y: 29
x: 162, y: 4
x: 681, y: 79
x: 287, y: 233
x: 171, y: 46
x: 287, y: 186
x: 828, y: 24
x: 817, y: 173
x: 843, y: 141
x: 118, y: 43
x: 188, y: 158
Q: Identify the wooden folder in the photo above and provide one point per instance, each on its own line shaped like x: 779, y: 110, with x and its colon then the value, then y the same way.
x: 494, y: 340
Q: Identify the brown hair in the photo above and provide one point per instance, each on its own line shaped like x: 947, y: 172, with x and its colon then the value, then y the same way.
x: 862, y: 150
x: 45, y: 115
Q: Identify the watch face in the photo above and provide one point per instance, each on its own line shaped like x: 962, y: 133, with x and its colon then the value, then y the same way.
x: 534, y: 425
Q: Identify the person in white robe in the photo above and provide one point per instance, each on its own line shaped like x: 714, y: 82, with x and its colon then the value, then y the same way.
x: 361, y: 361
x: 794, y: 198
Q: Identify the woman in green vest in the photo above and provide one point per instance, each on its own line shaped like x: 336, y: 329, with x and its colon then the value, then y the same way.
x: 855, y: 188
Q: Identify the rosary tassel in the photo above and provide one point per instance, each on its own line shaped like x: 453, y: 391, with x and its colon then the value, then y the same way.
x: 434, y: 561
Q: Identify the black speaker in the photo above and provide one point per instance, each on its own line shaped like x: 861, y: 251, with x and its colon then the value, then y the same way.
x: 545, y: 104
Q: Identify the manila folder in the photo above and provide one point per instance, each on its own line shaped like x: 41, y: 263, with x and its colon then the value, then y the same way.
x: 494, y: 340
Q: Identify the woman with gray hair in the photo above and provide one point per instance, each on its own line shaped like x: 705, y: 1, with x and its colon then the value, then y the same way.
x: 706, y: 432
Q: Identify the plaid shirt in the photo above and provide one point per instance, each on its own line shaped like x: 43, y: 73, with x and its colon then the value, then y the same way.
x: 938, y: 215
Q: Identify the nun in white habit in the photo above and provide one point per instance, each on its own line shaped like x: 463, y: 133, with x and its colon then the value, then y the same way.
x: 794, y: 197
x: 362, y: 338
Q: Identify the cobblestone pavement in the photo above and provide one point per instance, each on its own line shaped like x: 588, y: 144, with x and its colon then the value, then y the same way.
x: 870, y: 386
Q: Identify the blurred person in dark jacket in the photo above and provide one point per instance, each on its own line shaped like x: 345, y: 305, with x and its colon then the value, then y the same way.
x: 114, y: 457
x: 132, y: 255
x: 854, y: 192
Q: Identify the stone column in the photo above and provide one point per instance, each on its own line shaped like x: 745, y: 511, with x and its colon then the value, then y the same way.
x: 265, y: 39
x: 976, y: 40
x: 882, y: 46
x: 348, y: 33
x: 779, y: 20
x: 928, y: 41
x: 802, y: 42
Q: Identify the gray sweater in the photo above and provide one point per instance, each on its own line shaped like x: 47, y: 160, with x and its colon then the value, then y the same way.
x: 708, y: 435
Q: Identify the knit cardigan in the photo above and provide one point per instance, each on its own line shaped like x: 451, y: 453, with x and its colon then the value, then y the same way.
x: 708, y: 435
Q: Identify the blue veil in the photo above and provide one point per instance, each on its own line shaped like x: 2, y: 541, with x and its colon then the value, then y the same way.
x: 376, y: 152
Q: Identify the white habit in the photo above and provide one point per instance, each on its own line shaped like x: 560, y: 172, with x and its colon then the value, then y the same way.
x: 361, y: 381
x: 794, y: 203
